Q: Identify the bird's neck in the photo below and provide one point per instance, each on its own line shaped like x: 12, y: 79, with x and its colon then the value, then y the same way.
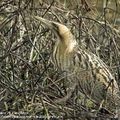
x: 63, y: 53
x: 67, y: 43
x: 66, y: 46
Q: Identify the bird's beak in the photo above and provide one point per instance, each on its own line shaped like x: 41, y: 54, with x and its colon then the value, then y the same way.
x: 54, y: 26
x: 44, y: 21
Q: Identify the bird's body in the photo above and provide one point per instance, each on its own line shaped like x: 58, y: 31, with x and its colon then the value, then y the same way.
x: 95, y: 76
x: 90, y: 71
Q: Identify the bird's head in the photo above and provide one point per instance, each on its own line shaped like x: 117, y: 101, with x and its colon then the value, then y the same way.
x: 64, y: 35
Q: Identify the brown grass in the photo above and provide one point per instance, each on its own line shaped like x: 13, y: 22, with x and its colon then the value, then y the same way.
x: 29, y: 82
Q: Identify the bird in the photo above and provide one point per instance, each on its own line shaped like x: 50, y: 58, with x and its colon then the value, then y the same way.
x: 82, y: 67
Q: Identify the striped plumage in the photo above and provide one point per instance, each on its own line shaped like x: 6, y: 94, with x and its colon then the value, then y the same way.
x: 82, y: 66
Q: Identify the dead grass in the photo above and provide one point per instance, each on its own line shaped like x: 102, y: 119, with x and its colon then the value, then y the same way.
x: 29, y: 81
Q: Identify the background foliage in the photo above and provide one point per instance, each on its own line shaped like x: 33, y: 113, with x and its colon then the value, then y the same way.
x: 28, y: 79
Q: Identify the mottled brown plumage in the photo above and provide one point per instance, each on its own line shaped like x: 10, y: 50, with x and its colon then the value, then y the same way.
x: 82, y: 67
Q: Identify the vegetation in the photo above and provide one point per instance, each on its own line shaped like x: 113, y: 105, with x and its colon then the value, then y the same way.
x: 29, y: 81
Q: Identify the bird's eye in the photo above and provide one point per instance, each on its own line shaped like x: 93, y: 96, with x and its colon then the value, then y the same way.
x: 56, y: 30
x: 55, y: 27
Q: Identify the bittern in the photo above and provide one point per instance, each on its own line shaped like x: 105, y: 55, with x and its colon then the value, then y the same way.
x: 89, y: 71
